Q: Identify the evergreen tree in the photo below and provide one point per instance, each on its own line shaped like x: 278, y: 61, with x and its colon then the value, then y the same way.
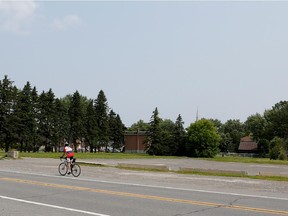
x: 101, y: 108
x: 91, y: 128
x: 35, y: 106
x: 76, y: 114
x: 7, y: 100
x: 47, y: 115
x: 154, y: 142
x: 116, y: 130
x: 167, y: 128
x: 179, y: 138
x: 61, y: 123
x: 24, y: 119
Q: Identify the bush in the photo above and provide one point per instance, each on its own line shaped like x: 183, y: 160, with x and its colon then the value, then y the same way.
x: 277, y: 149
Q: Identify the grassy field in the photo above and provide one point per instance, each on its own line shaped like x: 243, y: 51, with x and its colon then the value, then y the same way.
x: 101, y: 155
x: 104, y: 155
x: 247, y: 160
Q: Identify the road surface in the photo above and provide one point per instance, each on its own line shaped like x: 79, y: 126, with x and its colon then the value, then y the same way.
x: 30, y: 188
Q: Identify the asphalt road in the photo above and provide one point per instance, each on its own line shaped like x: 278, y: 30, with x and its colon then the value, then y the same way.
x: 34, y: 187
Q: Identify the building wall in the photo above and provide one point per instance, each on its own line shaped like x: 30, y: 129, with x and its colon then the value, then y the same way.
x: 134, y: 143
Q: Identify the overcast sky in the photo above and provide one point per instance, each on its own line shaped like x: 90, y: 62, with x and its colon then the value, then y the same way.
x: 228, y: 59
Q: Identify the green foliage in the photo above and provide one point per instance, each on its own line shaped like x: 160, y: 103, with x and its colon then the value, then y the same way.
x: 25, y: 120
x: 101, y: 109
x: 234, y: 131
x: 277, y: 149
x: 226, y: 143
x: 116, y: 130
x: 277, y: 120
x: 92, y: 130
x: 76, y: 116
x: 154, y: 144
x: 203, y: 139
x: 255, y: 125
x: 47, y: 116
x: 29, y: 121
x: 263, y: 147
x: 140, y: 125
x: 179, y: 136
x: 165, y: 137
x: 8, y: 96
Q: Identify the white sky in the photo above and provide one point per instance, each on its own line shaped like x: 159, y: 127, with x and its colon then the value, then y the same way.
x: 227, y: 58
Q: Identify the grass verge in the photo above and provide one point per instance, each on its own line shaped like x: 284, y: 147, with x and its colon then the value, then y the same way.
x: 220, y: 174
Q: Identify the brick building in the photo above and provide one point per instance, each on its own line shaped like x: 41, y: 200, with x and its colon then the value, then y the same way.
x: 134, y: 141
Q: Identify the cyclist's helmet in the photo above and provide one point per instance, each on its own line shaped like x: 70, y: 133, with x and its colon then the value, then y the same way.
x: 66, y: 144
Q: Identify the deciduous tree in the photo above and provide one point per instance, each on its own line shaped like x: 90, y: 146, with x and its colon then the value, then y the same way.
x: 203, y: 139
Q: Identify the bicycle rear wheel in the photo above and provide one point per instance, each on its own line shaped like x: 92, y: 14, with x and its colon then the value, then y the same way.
x: 76, y: 170
x: 62, y: 169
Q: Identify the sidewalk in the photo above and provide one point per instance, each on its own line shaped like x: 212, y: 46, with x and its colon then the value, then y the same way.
x: 190, y: 164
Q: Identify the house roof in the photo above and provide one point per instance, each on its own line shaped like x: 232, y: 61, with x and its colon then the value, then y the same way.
x: 247, y: 139
x: 247, y: 144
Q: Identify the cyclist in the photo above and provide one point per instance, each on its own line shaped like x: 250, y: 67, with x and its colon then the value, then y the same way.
x: 69, y: 155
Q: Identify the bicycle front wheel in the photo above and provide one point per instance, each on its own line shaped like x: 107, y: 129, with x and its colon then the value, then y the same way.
x: 62, y: 168
x: 76, y: 170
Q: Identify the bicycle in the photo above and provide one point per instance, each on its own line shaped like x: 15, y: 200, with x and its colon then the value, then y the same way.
x: 75, y: 168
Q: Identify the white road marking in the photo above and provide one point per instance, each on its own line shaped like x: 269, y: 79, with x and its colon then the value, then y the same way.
x: 151, y: 186
x: 52, y: 206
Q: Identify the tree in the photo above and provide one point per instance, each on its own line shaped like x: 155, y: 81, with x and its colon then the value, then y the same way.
x: 24, y: 119
x: 263, y: 147
x: 154, y: 142
x: 8, y: 94
x: 203, y: 139
x: 226, y: 143
x: 140, y: 125
x: 277, y: 149
x: 76, y: 115
x: 236, y: 131
x: 277, y: 121
x: 61, y: 123
x: 255, y: 125
x: 179, y: 136
x: 47, y: 115
x: 218, y: 124
x: 116, y: 130
x: 35, y: 107
x: 167, y: 128
x: 101, y: 108
x: 91, y: 127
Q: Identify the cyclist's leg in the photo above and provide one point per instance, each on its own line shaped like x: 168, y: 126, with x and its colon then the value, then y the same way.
x: 68, y: 159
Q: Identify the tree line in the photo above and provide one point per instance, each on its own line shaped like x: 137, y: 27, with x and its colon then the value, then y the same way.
x: 208, y: 137
x: 29, y: 120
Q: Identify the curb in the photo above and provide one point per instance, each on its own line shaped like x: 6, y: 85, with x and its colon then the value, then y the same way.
x: 91, y: 163
x: 214, y: 171
x: 269, y: 174
x: 160, y: 167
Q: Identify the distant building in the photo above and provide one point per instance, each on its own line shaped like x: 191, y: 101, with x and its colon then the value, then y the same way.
x: 134, y: 141
x: 247, y: 145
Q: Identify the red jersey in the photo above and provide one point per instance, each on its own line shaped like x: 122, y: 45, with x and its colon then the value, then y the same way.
x: 69, y: 151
